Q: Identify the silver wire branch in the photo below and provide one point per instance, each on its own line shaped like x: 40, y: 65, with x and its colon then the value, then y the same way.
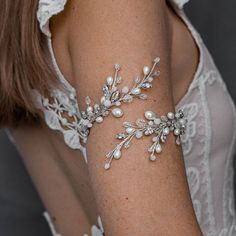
x: 113, y: 96
x: 158, y: 127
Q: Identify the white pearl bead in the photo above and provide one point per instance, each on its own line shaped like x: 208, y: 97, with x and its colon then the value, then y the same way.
x: 117, y: 154
x: 158, y: 148
x: 89, y: 109
x: 125, y: 89
x: 107, y: 103
x: 171, y: 115
x: 99, y: 119
x: 136, y: 91
x: 166, y: 131
x: 109, y: 80
x: 146, y: 70
x: 149, y: 115
x: 117, y: 112
x: 176, y: 131
x: 129, y: 130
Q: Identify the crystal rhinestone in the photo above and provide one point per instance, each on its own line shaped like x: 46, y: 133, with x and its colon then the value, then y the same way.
x: 117, y: 112
x: 149, y: 115
x: 117, y: 66
x: 136, y: 91
x: 120, y: 136
x: 117, y: 154
x: 99, y: 119
x: 154, y: 139
x: 158, y: 148
x: 107, y: 103
x: 182, y: 121
x: 171, y: 115
x: 109, y: 80
x: 164, y: 118
x: 157, y: 59
x: 157, y: 121
x: 146, y: 85
x: 152, y: 157
x: 150, y: 79
x: 107, y: 166
x: 125, y: 89
x: 138, y: 134
x: 146, y: 70
x: 176, y: 131
x: 128, y: 98
x: 87, y: 100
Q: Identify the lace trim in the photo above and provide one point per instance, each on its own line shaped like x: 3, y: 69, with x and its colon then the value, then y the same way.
x: 61, y: 113
x: 46, y: 9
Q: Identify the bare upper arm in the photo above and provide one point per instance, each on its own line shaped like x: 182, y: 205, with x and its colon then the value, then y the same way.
x: 135, y: 197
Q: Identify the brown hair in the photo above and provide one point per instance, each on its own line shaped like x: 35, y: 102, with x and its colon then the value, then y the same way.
x: 24, y: 61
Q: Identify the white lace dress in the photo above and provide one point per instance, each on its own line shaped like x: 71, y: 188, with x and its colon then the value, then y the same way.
x: 208, y: 144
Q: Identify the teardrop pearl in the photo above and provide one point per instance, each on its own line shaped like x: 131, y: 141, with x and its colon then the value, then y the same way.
x: 176, y: 132
x: 171, y: 115
x: 166, y: 131
x: 129, y: 130
x: 158, y: 148
x: 117, y: 112
x: 117, y: 154
x: 109, y: 80
x: 149, y: 115
x: 146, y: 70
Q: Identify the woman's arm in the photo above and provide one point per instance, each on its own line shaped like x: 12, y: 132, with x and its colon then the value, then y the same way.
x: 136, y: 196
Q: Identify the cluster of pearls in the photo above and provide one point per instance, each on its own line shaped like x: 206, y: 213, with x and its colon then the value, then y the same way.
x: 159, y: 127
x: 113, y: 97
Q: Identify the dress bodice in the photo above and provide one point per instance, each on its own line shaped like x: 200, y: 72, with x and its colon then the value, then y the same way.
x: 208, y: 144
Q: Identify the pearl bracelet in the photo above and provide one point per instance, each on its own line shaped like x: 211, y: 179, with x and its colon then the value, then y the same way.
x: 159, y: 127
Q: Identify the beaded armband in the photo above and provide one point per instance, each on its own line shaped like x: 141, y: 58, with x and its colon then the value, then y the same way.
x: 113, y: 97
x: 158, y: 127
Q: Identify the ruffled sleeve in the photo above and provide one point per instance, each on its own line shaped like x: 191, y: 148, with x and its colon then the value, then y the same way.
x: 46, y: 9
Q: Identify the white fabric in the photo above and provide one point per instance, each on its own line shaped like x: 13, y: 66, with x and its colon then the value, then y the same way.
x: 209, y: 143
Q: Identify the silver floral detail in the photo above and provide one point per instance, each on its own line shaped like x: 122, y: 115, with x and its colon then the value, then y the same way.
x: 113, y: 97
x: 158, y: 127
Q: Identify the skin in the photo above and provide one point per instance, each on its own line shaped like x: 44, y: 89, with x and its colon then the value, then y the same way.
x: 135, y: 197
